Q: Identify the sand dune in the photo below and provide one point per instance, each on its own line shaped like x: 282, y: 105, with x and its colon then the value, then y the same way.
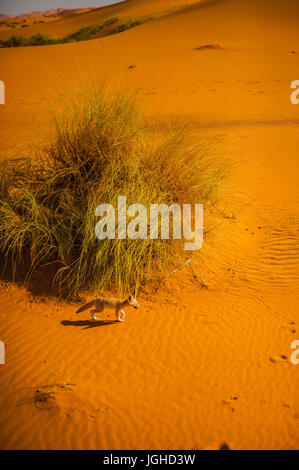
x: 123, y: 10
x: 206, y: 360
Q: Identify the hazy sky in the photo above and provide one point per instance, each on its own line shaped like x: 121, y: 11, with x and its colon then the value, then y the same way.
x: 16, y: 7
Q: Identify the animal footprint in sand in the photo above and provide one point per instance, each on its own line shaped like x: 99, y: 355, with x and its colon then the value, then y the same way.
x: 44, y: 400
x: 229, y: 405
x: 279, y: 358
x: 208, y: 47
x: 290, y: 327
x: 45, y: 395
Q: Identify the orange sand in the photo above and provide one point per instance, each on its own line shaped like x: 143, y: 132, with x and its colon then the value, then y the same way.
x: 200, y: 363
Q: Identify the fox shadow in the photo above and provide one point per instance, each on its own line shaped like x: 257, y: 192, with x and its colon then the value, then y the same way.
x: 88, y: 323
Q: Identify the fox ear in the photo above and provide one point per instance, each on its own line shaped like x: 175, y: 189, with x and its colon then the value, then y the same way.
x: 134, y: 293
x: 130, y: 298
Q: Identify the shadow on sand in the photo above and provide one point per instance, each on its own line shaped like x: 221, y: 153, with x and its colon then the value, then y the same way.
x: 88, y: 323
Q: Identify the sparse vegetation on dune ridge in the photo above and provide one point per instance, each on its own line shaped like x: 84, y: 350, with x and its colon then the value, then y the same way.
x: 85, y: 33
x: 100, y: 148
x: 89, y: 32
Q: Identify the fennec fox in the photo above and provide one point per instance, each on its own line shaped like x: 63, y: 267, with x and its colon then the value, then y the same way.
x: 118, y: 304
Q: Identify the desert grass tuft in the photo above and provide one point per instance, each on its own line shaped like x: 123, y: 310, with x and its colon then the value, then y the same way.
x: 100, y: 148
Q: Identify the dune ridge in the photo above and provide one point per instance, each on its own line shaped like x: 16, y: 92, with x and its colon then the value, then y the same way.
x: 67, y: 24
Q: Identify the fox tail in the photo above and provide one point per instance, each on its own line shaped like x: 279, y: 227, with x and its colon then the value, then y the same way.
x: 86, y: 306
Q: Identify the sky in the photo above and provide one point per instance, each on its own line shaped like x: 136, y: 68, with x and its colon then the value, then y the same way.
x: 17, y: 7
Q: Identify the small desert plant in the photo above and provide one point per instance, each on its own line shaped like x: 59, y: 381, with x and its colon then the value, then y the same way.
x: 100, y: 149
x: 40, y: 40
x: 89, y: 32
x: 131, y: 23
x: 36, y: 40
x: 13, y: 41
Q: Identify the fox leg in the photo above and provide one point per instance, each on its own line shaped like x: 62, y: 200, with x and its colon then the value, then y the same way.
x: 93, y: 317
x: 120, y: 318
x: 98, y: 308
